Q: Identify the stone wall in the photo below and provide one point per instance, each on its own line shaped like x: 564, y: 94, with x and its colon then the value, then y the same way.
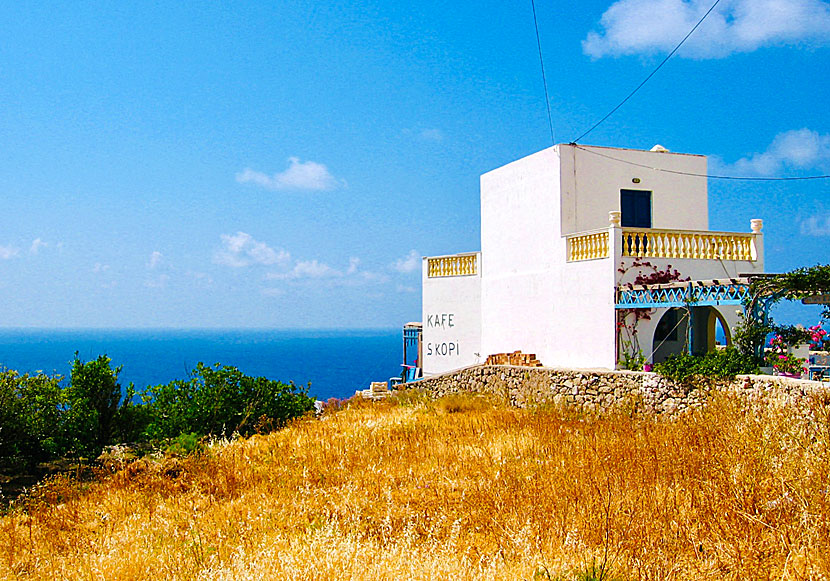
x: 602, y: 390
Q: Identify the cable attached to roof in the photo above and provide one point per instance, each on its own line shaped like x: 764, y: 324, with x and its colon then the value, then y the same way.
x: 703, y: 175
x: 544, y: 79
x: 631, y: 94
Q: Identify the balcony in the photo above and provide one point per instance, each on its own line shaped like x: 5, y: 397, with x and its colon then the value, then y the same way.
x: 661, y: 243
x: 453, y: 265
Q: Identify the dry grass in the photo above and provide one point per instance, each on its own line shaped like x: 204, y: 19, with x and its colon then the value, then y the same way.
x: 459, y: 489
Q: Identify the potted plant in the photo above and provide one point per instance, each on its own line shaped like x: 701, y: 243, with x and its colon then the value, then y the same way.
x: 781, y: 360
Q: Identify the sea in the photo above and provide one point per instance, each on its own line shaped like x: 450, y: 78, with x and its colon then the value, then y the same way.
x: 335, y: 363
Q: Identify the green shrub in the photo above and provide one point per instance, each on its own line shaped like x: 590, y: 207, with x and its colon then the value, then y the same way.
x: 722, y: 363
x: 222, y: 400
x: 185, y: 444
x: 93, y: 395
x: 31, y: 416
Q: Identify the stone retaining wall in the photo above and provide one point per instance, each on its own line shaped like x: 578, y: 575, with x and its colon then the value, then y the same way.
x: 602, y: 390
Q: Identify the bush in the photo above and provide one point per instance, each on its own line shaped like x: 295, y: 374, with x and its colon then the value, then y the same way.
x: 93, y: 396
x: 723, y: 363
x: 222, y: 400
x: 31, y: 416
x: 185, y: 445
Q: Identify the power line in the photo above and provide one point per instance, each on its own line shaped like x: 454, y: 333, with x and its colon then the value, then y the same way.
x: 631, y: 94
x: 703, y: 175
x: 544, y: 80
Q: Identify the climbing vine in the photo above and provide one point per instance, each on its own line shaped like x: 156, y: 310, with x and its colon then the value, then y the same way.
x: 765, y: 291
x: 628, y: 320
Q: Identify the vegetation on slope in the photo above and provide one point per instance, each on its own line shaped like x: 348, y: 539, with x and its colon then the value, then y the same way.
x: 41, y: 418
x: 461, y: 488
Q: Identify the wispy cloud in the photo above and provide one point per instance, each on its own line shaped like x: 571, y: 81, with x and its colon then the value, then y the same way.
x: 159, y: 281
x: 300, y: 175
x: 99, y: 268
x: 816, y: 225
x: 201, y: 278
x: 306, y: 269
x: 7, y: 252
x: 642, y: 27
x: 241, y: 249
x: 408, y: 263
x: 37, y: 244
x: 799, y: 149
x: 155, y: 260
x: 323, y: 273
x: 430, y: 134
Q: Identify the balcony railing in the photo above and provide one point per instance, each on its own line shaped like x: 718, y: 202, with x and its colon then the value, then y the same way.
x: 655, y: 243
x: 687, y: 244
x: 588, y: 246
x: 455, y: 265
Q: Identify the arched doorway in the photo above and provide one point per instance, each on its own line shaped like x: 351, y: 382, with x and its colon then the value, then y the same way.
x: 704, y: 327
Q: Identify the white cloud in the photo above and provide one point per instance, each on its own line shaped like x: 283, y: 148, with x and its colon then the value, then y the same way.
x: 159, y: 281
x: 631, y: 27
x: 430, y: 134
x: 433, y: 134
x: 816, y: 225
x: 7, y: 252
x: 354, y: 263
x: 201, y: 278
x: 37, y: 244
x: 241, y: 249
x: 306, y: 269
x: 100, y: 267
x: 155, y: 259
x: 409, y: 263
x: 799, y: 149
x: 300, y: 175
x: 405, y: 289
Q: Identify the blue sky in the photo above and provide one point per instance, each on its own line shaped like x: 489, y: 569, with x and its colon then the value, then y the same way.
x: 253, y: 165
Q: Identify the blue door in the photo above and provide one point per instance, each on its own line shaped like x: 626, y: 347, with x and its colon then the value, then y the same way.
x: 635, y: 206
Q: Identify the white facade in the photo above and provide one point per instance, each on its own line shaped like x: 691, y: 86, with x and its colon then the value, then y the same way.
x: 550, y: 260
x: 451, y: 315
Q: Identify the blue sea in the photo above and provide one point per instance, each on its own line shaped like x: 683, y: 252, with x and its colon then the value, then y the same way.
x: 335, y: 362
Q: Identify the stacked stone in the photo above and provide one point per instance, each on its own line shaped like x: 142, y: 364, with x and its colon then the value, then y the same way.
x: 516, y: 358
x: 600, y: 391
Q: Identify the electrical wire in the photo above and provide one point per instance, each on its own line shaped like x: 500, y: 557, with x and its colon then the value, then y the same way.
x: 544, y: 79
x: 631, y: 94
x: 703, y: 175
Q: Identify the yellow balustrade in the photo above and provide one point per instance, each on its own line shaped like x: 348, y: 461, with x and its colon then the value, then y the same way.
x: 687, y: 244
x: 588, y: 246
x: 456, y: 265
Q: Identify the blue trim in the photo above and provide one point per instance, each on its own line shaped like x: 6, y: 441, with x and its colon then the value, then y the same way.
x: 682, y: 296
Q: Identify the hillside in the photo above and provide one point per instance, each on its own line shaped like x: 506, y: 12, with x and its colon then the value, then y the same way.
x: 461, y: 488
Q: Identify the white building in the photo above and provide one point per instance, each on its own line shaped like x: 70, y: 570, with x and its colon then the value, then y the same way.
x: 560, y: 232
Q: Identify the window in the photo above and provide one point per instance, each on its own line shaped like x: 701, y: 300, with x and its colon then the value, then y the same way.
x: 635, y: 206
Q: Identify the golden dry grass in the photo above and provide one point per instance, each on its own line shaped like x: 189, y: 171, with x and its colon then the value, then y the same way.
x: 457, y: 489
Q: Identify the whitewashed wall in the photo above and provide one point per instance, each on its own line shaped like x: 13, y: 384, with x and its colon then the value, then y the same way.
x: 451, y: 318
x: 532, y: 300
x: 519, y: 242
x: 591, y: 184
